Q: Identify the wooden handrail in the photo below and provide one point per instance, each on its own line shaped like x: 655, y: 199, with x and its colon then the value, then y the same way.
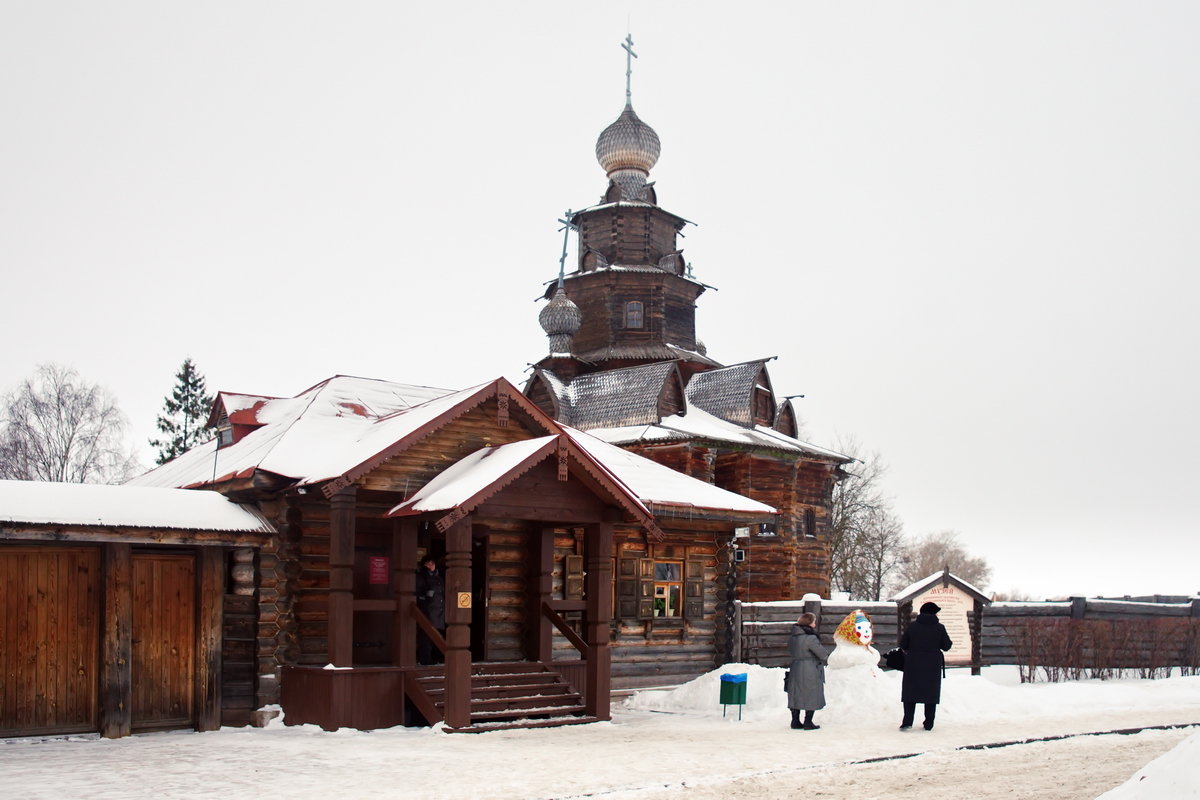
x: 565, y: 629
x: 425, y: 625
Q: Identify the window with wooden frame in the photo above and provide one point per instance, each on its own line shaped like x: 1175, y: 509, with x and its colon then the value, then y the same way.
x: 663, y: 588
x: 635, y: 314
x: 810, y: 524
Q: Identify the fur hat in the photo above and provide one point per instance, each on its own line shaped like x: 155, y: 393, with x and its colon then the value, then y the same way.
x: 930, y: 608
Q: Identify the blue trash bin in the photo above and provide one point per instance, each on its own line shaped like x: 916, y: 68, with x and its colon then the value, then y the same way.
x: 733, y: 691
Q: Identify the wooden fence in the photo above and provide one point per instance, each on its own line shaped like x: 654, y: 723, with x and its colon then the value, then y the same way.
x: 1094, y: 636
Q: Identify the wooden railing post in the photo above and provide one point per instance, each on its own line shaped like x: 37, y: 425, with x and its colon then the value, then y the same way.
x: 598, y: 547
x: 458, y: 624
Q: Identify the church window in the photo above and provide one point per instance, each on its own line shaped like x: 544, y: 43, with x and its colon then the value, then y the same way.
x: 810, y: 524
x: 634, y: 316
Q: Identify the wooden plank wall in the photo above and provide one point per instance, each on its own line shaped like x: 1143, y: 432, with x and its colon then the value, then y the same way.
x: 765, y: 628
x: 238, y: 659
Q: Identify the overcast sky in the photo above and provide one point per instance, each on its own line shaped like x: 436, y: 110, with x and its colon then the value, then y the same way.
x: 967, y: 230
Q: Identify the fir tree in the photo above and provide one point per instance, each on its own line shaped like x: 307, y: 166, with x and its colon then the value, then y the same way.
x: 185, y: 413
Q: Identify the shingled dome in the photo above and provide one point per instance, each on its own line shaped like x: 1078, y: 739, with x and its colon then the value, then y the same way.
x: 628, y: 143
x: 560, y: 319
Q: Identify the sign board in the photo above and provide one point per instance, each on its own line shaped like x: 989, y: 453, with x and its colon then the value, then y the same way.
x: 955, y: 603
x: 464, y: 599
x: 378, y: 570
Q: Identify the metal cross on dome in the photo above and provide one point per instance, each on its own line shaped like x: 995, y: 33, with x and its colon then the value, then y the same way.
x: 566, y: 229
x: 627, y: 46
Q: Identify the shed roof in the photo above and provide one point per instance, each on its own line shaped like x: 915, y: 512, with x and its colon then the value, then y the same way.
x: 92, y: 505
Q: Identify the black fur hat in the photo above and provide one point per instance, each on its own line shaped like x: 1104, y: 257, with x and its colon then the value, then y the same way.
x: 930, y: 608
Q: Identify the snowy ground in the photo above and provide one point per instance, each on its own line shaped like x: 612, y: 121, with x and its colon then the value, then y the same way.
x: 678, y: 742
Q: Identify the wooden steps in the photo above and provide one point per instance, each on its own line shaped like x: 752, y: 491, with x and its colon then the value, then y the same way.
x: 512, y: 694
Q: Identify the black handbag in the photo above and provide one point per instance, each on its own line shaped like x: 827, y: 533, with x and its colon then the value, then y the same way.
x: 894, y: 659
x: 787, y: 678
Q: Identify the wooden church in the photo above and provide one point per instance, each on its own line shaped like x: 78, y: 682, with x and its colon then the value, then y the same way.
x: 626, y: 365
x: 593, y: 529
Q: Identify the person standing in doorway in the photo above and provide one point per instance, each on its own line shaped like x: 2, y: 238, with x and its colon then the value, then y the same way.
x: 806, y: 678
x: 431, y: 601
x: 924, y: 645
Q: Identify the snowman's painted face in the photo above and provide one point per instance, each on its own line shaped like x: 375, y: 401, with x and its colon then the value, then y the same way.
x: 862, y: 629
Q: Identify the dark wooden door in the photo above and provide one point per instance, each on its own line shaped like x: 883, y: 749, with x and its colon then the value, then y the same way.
x: 164, y: 641
x: 49, y: 639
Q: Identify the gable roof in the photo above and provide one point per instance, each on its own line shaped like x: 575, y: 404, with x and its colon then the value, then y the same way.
x: 336, y: 430
x: 99, y: 505
x: 484, y: 473
x: 728, y: 392
x: 945, y: 578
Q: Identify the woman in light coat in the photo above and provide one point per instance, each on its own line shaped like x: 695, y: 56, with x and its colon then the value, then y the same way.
x: 806, y: 681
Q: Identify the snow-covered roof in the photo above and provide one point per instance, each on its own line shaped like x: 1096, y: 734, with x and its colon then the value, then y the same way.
x: 699, y: 424
x: 658, y: 486
x: 912, y: 590
x: 321, y: 433
x: 86, y: 504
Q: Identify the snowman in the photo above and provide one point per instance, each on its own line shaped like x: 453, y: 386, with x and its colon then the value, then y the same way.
x: 852, y: 644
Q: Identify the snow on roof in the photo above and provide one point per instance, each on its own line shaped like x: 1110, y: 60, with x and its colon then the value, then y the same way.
x: 657, y: 485
x: 462, y: 481
x: 37, y: 503
x: 916, y: 588
x: 321, y: 433
x: 699, y: 424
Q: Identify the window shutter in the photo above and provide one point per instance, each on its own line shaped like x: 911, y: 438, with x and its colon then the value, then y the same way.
x: 627, y: 588
x: 645, y: 598
x: 693, y: 589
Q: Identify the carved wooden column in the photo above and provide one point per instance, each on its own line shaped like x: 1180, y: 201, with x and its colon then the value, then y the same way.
x: 341, y: 578
x: 539, y: 639
x: 599, y: 549
x: 458, y: 624
x: 404, y: 586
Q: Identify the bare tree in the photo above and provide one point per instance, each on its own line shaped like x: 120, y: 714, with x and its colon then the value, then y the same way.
x: 939, y: 551
x: 866, y: 538
x: 58, y: 427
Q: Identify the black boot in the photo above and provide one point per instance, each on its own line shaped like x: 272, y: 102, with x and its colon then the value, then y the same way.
x: 930, y: 713
x: 910, y: 709
x: 808, y: 723
x: 796, y: 719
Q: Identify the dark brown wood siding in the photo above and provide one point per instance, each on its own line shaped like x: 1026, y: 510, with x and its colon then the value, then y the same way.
x: 164, y: 640
x: 49, y: 639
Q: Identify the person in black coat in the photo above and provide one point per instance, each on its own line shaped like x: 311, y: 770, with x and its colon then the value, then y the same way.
x: 431, y: 600
x: 924, y: 643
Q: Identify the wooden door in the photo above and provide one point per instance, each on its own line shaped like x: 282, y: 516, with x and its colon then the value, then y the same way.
x: 164, y: 641
x: 49, y: 639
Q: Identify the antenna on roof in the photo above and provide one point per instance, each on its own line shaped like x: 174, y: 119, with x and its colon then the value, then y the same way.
x: 627, y: 46
x: 566, y: 228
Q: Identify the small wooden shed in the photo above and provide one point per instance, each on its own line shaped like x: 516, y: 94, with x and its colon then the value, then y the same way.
x: 113, y: 603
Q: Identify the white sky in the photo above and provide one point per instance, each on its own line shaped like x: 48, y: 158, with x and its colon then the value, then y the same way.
x: 682, y: 743
x: 967, y: 230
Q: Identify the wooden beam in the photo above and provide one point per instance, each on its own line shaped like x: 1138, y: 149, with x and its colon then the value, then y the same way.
x: 341, y: 578
x: 539, y: 642
x: 209, y: 638
x: 95, y: 534
x: 116, y: 675
x: 458, y: 623
x: 598, y: 550
x: 404, y: 587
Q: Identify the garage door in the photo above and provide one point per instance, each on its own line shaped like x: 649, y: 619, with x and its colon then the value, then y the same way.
x: 49, y: 639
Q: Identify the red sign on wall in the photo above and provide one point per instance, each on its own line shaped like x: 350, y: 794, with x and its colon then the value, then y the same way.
x: 379, y: 569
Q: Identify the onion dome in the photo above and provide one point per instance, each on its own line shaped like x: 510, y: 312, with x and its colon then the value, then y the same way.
x: 560, y: 319
x: 626, y: 150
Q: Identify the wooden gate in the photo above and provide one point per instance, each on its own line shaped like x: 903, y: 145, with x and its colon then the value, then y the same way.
x: 49, y: 639
x: 164, y: 639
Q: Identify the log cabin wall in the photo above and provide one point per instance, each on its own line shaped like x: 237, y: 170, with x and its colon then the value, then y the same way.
x: 669, y: 311
x: 627, y: 235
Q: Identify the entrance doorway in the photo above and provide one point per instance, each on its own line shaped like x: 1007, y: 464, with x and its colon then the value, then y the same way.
x: 164, y: 637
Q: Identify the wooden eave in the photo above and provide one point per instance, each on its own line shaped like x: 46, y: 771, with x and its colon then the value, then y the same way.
x: 97, y: 534
x: 510, y: 399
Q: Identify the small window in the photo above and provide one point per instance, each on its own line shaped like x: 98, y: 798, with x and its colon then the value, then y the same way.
x: 810, y: 524
x: 634, y: 317
x: 668, y: 588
